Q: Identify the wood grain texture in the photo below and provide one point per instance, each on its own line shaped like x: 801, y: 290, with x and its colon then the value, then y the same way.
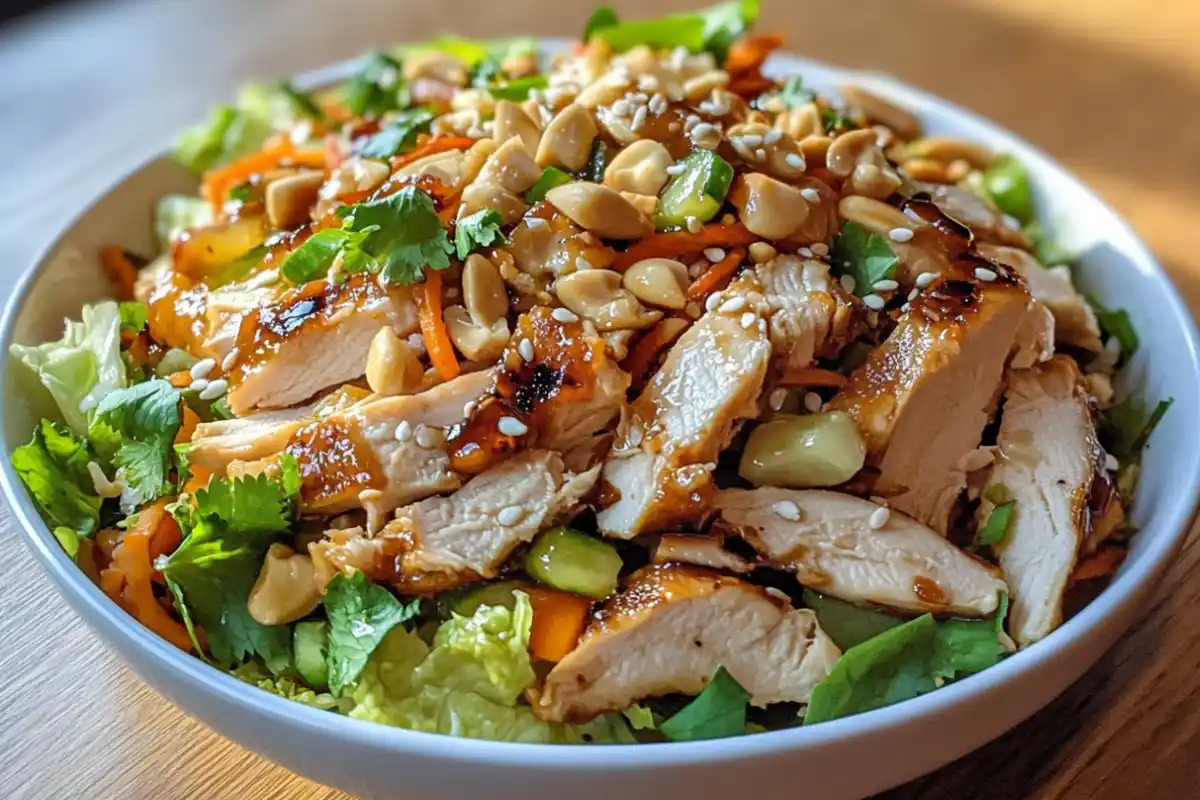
x: 87, y: 92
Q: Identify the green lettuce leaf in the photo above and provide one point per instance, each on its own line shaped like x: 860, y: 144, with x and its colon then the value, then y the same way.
x: 133, y: 315
x: 477, y: 230
x: 550, y: 177
x: 81, y: 368
x: 469, y: 683
x: 230, y: 132
x: 719, y: 711
x: 602, y: 17
x: 281, y: 105
x: 178, y: 212
x: 376, y: 87
x: 845, y: 623
x: 518, y: 89
x: 862, y: 255
x: 1125, y: 427
x: 1115, y: 323
x: 1007, y: 184
x: 54, y: 468
x: 134, y: 430
x: 471, y: 52
x: 399, y: 135
x: 713, y: 29
x: 360, y: 615
x: 255, y: 673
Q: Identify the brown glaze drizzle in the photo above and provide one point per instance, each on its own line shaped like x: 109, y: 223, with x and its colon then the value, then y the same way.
x: 335, y: 463
x: 928, y: 591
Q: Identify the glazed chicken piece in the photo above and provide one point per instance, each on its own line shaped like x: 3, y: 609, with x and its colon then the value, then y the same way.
x: 670, y: 629
x: 985, y: 221
x: 442, y: 542
x: 215, y: 445
x: 660, y: 470
x: 923, y: 397
x: 315, y: 336
x: 1074, y: 321
x: 813, y: 316
x: 700, y: 550
x: 1050, y: 462
x: 828, y: 540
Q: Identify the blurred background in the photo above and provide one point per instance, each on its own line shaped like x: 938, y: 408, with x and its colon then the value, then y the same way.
x: 88, y: 90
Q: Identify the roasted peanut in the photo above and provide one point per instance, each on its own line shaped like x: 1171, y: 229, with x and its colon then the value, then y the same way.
x: 855, y: 157
x: 437, y: 65
x: 446, y: 167
x: 483, y: 194
x: 511, y: 167
x: 286, y: 588
x: 876, y: 109
x: 597, y: 295
x: 511, y: 120
x: 483, y: 290
x: 800, y: 123
x: 947, y: 150
x: 289, y: 199
x: 658, y: 282
x: 392, y: 367
x: 567, y: 140
x: 639, y: 168
x: 771, y: 151
x: 477, y: 342
x: 601, y: 210
x: 874, y: 215
x: 767, y: 207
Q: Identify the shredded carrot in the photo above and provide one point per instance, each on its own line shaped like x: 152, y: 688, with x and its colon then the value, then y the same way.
x: 641, y: 356
x: 748, y: 53
x: 107, y: 540
x: 813, y: 376
x: 119, y: 269
x: 1102, y: 564
x: 558, y: 622
x: 217, y: 182
x: 188, y: 428
x: 112, y: 581
x: 198, y: 479
x: 447, y: 214
x: 181, y: 379
x: 751, y: 86
x: 716, y: 275
x: 680, y: 243
x: 132, y: 558
x: 438, y: 144
x: 334, y: 155
x: 433, y: 328
x: 161, y: 527
x: 86, y: 559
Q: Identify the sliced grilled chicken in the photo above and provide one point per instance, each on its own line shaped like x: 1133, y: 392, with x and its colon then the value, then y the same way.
x: 669, y: 631
x: 216, y: 444
x: 316, y: 336
x: 1050, y: 462
x: 446, y: 541
x: 923, y: 397
x: 828, y: 539
x: 985, y: 221
x: 660, y: 470
x: 1074, y: 321
x: 702, y: 551
x: 813, y: 316
x: 1035, y: 338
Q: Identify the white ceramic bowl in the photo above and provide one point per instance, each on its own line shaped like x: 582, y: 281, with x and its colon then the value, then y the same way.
x: 847, y: 758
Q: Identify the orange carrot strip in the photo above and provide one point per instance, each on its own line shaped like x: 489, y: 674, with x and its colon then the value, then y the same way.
x: 133, y: 560
x: 86, y: 559
x: 751, y: 86
x: 119, y: 269
x: 447, y: 214
x: 438, y: 144
x: 716, y: 275
x: 813, y: 376
x: 217, y: 182
x: 198, y: 479
x: 181, y: 379
x: 433, y: 328
x: 558, y: 622
x: 111, y: 583
x: 1102, y: 564
x: 749, y: 52
x: 188, y: 428
x: 679, y: 243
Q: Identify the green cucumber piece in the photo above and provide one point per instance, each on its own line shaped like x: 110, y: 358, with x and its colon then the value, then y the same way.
x: 551, y: 177
x: 572, y: 561
x: 466, y: 603
x: 310, y: 641
x: 698, y: 191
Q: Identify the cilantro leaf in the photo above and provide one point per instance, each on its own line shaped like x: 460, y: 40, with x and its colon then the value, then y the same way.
x: 863, y: 256
x: 835, y: 121
x: 301, y: 103
x: 1115, y: 323
x: 406, y: 236
x: 133, y: 315
x: 993, y: 531
x: 360, y: 615
x: 845, y: 623
x: 400, y: 134
x: 1125, y: 428
x: 518, y: 89
x: 550, y: 177
x: 906, y: 661
x: 313, y: 258
x: 719, y: 711
x: 602, y: 17
x: 377, y: 86
x: 53, y: 468
x: 477, y: 230
x: 793, y: 93
x: 134, y: 430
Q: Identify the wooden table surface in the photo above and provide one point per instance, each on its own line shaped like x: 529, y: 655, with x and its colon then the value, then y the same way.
x: 88, y: 91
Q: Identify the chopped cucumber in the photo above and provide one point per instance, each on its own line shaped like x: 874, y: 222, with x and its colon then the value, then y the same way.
x: 699, y: 191
x: 1007, y: 183
x: 574, y: 562
x: 597, y: 163
x: 551, y: 177
x: 310, y: 641
x: 467, y: 602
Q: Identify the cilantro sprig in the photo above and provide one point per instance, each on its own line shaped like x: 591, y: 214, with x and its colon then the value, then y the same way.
x: 480, y: 229
x: 399, y: 135
x: 862, y: 255
x: 360, y: 615
x: 134, y: 430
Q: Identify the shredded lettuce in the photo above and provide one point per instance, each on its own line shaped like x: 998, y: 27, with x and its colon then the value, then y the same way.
x: 255, y: 673
x: 81, y: 368
x: 713, y: 29
x: 54, y: 469
x: 471, y: 52
x: 178, y: 212
x: 469, y: 683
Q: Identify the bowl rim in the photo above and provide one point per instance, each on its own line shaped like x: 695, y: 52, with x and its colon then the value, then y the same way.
x: 129, y: 635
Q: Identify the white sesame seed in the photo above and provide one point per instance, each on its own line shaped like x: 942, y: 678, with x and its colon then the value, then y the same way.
x: 534, y: 222
x: 564, y: 315
x: 427, y: 437
x: 202, y: 367
x: 525, y: 348
x: 795, y: 160
x: 762, y: 326
x: 215, y: 389
x: 229, y: 360
x: 1110, y: 463
x: 511, y: 426
x: 752, y: 140
x: 773, y: 136
x: 848, y: 283
x: 776, y: 399
x: 647, y: 82
x: 748, y: 319
x: 820, y: 249
x: 874, y: 302
x: 693, y: 224
x: 639, y: 118
x: 810, y: 194
x: 879, y: 518
x: 812, y: 402
x: 714, y: 254
x: 712, y: 301
x: 621, y: 108
x: 199, y: 385
x: 582, y: 263
x: 732, y: 305
x: 900, y: 235
x: 676, y: 169
x: 658, y: 103
x: 100, y: 482
x: 985, y: 274
x: 404, y: 431
x: 469, y: 408
x: 510, y: 515
x: 886, y: 285
x: 788, y: 510
x: 760, y: 154
x: 925, y: 278
x: 804, y: 252
x: 369, y: 496
x: 690, y: 122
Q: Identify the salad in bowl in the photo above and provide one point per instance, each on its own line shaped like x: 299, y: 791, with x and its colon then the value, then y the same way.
x: 620, y: 395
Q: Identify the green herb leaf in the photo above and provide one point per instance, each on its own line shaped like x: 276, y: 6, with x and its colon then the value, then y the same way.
x: 550, y: 177
x: 376, y: 87
x: 360, y: 615
x: 1007, y: 184
x: 316, y: 255
x: 835, y: 122
x: 793, y: 93
x: 229, y: 132
x: 400, y: 134
x: 54, y: 468
x: 406, y: 236
x: 1115, y: 323
x: 301, y: 103
x: 863, y: 256
x: 1045, y: 248
x: 134, y: 430
x: 713, y: 29
x: 518, y: 89
x: 478, y: 230
x: 993, y: 531
x: 1125, y: 428
x: 719, y: 711
x: 602, y: 17
x: 845, y: 623
x: 133, y: 315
